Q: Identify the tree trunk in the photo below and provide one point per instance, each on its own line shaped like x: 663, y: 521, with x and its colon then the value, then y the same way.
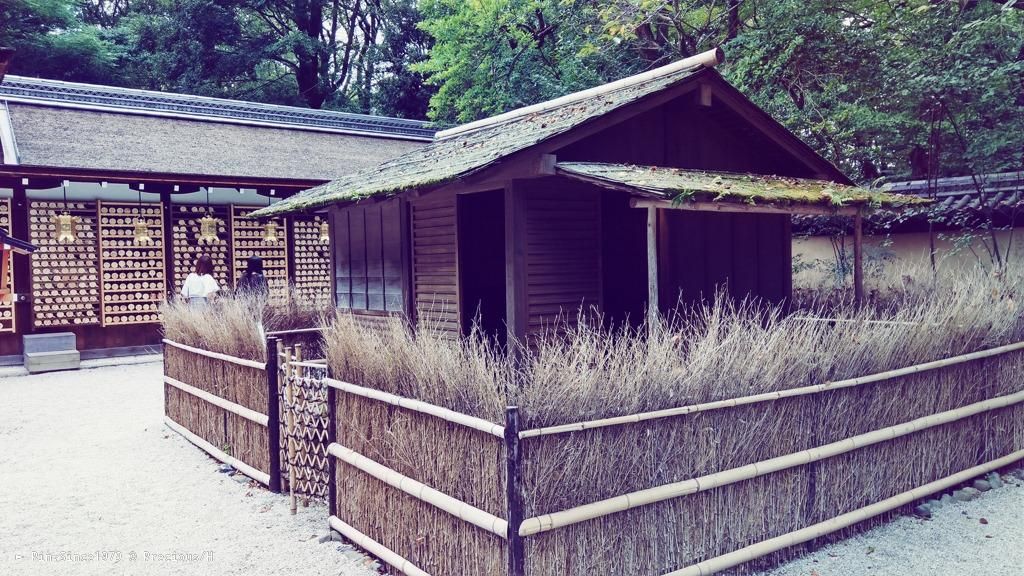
x: 734, y: 19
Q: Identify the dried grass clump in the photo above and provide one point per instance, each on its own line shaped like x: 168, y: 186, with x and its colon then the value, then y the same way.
x: 236, y: 325
x: 470, y: 375
x: 723, y: 349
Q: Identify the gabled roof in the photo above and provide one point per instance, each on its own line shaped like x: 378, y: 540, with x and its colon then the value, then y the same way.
x: 750, y: 189
x: 47, y: 123
x: 56, y: 93
x: 476, y: 146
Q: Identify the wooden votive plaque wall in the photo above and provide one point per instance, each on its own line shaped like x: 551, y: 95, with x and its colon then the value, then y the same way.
x: 188, y: 246
x: 65, y: 276
x: 132, y: 271
x: 312, y: 261
x: 247, y: 239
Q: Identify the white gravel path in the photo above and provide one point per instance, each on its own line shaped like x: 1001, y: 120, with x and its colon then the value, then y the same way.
x: 955, y: 541
x: 87, y: 466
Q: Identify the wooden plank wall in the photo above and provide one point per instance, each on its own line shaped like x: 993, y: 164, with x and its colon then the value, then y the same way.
x: 562, y: 257
x: 435, y: 266
x: 700, y: 251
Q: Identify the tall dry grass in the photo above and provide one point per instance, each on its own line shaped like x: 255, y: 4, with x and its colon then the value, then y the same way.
x: 237, y: 325
x: 712, y: 350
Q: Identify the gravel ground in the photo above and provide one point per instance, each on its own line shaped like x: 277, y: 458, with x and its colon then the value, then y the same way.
x: 92, y: 482
x: 981, y: 537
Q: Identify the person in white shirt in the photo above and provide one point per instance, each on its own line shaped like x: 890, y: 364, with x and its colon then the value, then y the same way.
x: 200, y: 285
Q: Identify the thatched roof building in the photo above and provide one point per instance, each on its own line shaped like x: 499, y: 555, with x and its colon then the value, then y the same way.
x: 101, y: 128
x: 617, y: 199
x: 85, y: 147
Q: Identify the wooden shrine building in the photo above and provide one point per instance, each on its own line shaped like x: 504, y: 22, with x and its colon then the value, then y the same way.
x: 661, y: 186
x: 111, y: 156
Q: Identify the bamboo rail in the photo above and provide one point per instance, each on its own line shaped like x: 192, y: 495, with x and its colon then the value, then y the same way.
x: 237, y: 409
x: 420, y: 406
x: 217, y: 453
x: 769, y: 396
x: 544, y: 523
x: 374, y: 547
x: 295, y: 331
x: 420, y: 491
x: 309, y: 364
x: 856, y: 321
x: 766, y: 547
x: 217, y: 355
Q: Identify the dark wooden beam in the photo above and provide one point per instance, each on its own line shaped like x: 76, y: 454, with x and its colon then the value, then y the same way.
x: 50, y: 174
x: 742, y: 208
x: 168, y: 239
x: 22, y: 263
x: 858, y: 258
x: 515, y: 262
x: 652, y: 267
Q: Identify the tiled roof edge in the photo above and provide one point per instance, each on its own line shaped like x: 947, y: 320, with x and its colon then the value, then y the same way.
x: 164, y: 104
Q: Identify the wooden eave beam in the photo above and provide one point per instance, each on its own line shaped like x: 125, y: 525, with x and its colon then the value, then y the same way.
x: 737, y: 207
x: 14, y: 173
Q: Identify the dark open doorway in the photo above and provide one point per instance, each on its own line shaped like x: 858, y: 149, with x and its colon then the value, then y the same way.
x: 482, y: 262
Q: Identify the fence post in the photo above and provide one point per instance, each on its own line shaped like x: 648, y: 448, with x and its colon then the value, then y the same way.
x: 332, y: 437
x: 513, y: 493
x: 273, y: 415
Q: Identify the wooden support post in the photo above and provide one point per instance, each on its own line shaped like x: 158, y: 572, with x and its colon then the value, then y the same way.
x: 858, y: 258
x: 273, y: 415
x: 515, y: 264
x: 332, y: 437
x: 170, y: 274
x: 513, y: 492
x: 652, y: 267
x: 21, y: 263
x: 288, y: 229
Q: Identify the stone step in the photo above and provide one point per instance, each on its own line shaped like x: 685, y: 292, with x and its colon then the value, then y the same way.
x: 56, y: 342
x: 36, y: 362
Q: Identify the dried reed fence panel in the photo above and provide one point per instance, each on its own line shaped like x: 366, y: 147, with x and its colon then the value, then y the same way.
x: 431, y: 539
x: 460, y: 462
x: 463, y: 463
x: 572, y: 469
x: 231, y: 433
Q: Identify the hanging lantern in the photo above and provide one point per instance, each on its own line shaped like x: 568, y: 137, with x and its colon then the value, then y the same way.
x: 270, y: 232
x: 66, y: 228
x: 141, y: 233
x: 325, y: 232
x: 208, y: 229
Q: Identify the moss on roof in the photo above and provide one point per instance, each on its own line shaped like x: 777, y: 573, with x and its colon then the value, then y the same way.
x: 447, y: 159
x: 692, y: 185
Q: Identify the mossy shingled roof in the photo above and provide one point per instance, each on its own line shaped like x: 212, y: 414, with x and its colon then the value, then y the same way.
x: 755, y: 189
x: 447, y: 159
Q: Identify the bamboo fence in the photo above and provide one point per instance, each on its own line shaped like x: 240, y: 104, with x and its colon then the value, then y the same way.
x: 303, y: 426
x: 226, y: 406
x: 744, y: 482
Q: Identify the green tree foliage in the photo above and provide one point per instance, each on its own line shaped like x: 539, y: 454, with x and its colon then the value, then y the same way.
x: 317, y: 53
x: 77, y: 52
x: 910, y: 88
x: 901, y: 88
x: 493, y: 55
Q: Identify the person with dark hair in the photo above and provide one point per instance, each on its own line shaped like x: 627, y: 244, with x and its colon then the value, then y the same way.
x: 253, y: 283
x: 200, y: 285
